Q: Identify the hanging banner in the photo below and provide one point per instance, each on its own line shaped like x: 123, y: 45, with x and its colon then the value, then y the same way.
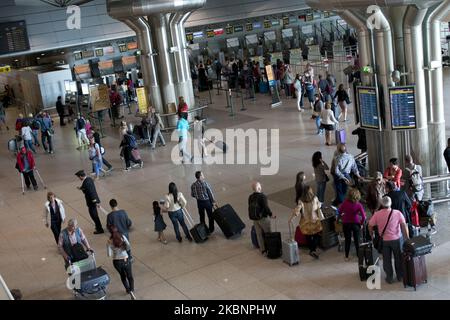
x: 210, y: 33
x: 141, y: 94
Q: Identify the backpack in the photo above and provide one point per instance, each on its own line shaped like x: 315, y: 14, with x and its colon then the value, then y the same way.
x: 132, y: 141
x: 254, y: 211
x: 35, y: 125
x: 415, y: 180
x: 81, y: 124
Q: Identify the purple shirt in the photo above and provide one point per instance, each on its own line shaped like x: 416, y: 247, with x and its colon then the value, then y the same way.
x: 352, y: 212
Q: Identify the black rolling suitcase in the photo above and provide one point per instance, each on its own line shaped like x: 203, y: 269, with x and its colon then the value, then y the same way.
x: 417, y: 246
x: 198, y: 231
x: 414, y: 270
x: 272, y: 242
x: 228, y: 220
x: 365, y: 259
x: 93, y: 281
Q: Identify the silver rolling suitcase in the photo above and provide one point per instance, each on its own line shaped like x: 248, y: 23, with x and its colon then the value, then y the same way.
x: 290, y: 249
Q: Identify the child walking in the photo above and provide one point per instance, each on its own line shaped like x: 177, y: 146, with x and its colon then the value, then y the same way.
x: 160, y: 225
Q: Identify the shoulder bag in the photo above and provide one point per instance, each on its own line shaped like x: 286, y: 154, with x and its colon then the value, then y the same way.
x: 378, y: 239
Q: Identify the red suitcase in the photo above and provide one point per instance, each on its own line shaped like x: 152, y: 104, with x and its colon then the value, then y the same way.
x: 301, y: 239
x: 414, y: 270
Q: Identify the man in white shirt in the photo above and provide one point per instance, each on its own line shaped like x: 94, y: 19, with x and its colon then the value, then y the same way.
x: 27, y: 136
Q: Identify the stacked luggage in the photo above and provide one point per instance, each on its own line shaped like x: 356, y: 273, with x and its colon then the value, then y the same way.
x: 93, y: 279
x: 413, y: 258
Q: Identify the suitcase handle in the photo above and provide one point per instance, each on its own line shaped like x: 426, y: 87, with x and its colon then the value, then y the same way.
x: 188, y: 217
x: 290, y: 230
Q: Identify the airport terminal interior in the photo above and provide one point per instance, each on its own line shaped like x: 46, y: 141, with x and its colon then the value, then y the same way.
x: 235, y: 64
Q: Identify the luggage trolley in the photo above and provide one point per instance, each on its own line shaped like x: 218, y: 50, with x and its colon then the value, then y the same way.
x: 93, y: 280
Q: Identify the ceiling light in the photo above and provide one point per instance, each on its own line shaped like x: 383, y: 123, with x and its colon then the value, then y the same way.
x: 42, y: 54
x: 62, y: 52
x: 17, y: 60
x: 37, y: 58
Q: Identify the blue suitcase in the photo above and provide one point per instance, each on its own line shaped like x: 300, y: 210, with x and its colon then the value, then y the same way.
x: 263, y: 87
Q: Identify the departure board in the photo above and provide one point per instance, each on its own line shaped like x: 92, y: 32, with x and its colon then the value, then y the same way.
x: 368, y: 107
x: 403, y: 107
x: 13, y: 37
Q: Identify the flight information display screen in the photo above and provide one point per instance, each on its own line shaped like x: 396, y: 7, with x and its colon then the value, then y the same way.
x: 403, y: 108
x: 368, y: 107
x: 13, y: 37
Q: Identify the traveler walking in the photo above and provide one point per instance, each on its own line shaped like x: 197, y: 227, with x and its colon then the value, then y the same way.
x: 298, y: 86
x: 46, y: 131
x: 328, y: 122
x: 182, y: 128
x: 353, y: 217
x: 54, y: 214
x: 80, y: 128
x: 343, y: 100
x: 25, y: 165
x: 92, y: 199
x: 174, y: 204
x: 130, y: 151
x: 72, y: 243
x: 96, y: 136
x: 308, y: 208
x: 317, y: 111
x: 392, y: 224
x: 259, y: 212
x: 199, y: 131
x: 95, y: 156
x: 202, y: 192
x: 320, y: 175
x: 3, y: 115
x: 118, y: 246
x: 118, y: 218
x: 60, y: 109
x: 27, y: 136
x: 413, y: 179
x: 156, y: 126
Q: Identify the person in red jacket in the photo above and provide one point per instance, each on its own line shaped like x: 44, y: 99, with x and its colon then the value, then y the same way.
x: 393, y: 173
x: 25, y: 164
x: 182, y: 108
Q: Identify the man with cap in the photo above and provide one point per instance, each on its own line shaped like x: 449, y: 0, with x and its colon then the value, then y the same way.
x: 92, y: 199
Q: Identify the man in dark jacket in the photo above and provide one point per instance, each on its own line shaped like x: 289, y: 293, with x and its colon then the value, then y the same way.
x: 118, y: 218
x: 259, y: 212
x: 92, y: 199
x: 362, y: 143
x: 400, y: 201
x: 60, y: 110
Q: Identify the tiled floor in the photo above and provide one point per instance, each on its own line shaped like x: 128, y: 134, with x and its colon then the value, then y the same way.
x: 217, y: 269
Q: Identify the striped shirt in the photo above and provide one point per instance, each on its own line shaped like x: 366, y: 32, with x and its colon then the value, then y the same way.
x: 201, y: 190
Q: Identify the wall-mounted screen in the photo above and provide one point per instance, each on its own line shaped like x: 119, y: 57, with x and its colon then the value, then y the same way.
x: 198, y: 34
x: 232, y: 42
x: 368, y: 107
x: 13, y: 37
x: 271, y: 36
x: 67, y: 85
x: 403, y: 108
x: 251, y: 39
x: 73, y: 87
x: 287, y: 33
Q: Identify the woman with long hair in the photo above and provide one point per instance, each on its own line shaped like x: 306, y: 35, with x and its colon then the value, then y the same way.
x: 298, y: 86
x: 308, y: 208
x: 320, y: 168
x: 328, y: 122
x: 174, y: 204
x: 118, y: 247
x: 342, y: 99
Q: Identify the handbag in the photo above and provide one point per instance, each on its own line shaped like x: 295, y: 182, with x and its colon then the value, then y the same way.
x: 50, y: 131
x: 378, y: 239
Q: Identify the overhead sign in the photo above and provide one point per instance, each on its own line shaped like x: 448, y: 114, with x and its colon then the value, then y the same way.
x: 287, y: 33
x: 85, y: 88
x: 87, y: 54
x: 5, y: 69
x: 82, y: 68
x: 249, y: 27
x: 257, y: 25
x: 210, y: 33
x: 309, y: 17
x: 403, y: 107
x: 123, y: 47
x: 232, y: 42
x: 198, y: 34
x: 251, y: 39
x: 275, y: 23
x: 218, y: 32
x: 308, y: 29
x: 108, y: 50
x: 239, y: 28
x: 267, y: 24
x: 77, y: 55
x: 368, y: 107
x: 99, y: 52
x: 189, y: 37
x: 285, y: 21
x: 229, y: 29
